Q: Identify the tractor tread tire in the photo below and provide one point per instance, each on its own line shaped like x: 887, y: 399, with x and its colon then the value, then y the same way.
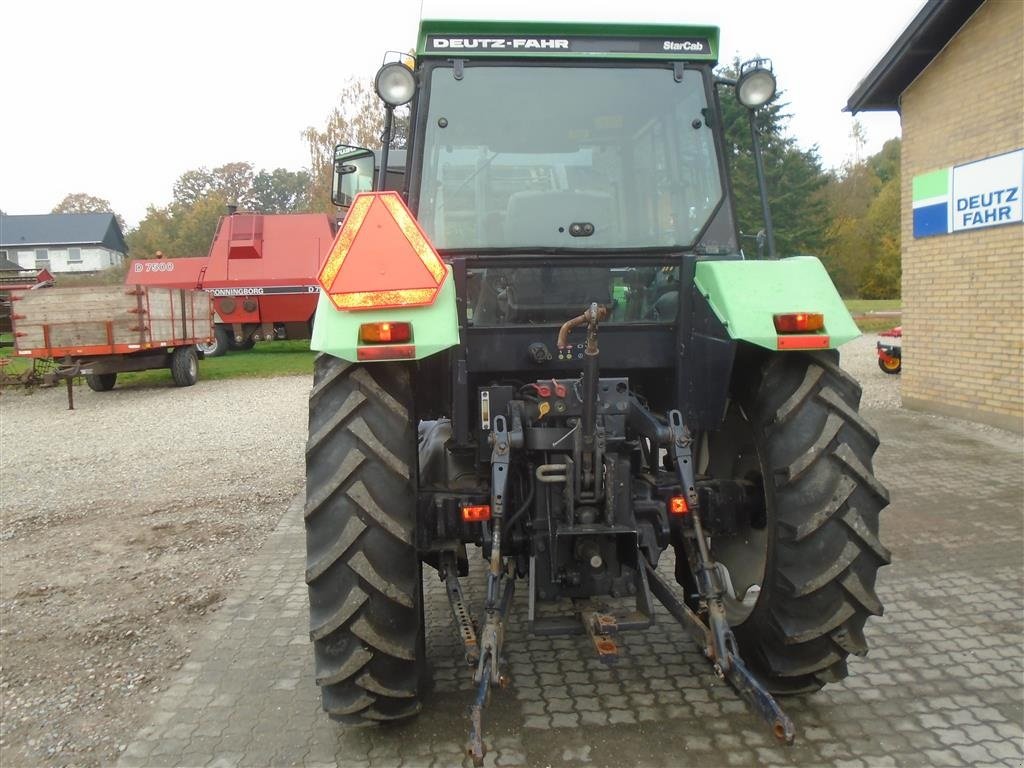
x: 818, y: 589
x: 362, y: 568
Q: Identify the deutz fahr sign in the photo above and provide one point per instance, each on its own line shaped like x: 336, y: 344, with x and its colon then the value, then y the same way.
x: 985, y: 193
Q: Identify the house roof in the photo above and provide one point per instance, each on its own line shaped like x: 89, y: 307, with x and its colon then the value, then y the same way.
x: 929, y: 32
x: 6, y: 265
x: 61, y: 229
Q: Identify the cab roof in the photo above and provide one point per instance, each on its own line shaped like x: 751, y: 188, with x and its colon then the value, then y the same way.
x: 459, y: 38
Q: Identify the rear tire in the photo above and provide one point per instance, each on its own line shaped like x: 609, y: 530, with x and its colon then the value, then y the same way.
x: 101, y: 382
x: 821, y: 549
x: 220, y: 344
x: 362, y: 569
x: 185, y: 366
x: 240, y: 346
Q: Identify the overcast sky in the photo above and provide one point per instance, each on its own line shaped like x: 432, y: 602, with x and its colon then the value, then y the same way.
x: 117, y: 99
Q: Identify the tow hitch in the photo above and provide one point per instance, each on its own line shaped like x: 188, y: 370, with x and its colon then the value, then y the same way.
x: 709, y: 628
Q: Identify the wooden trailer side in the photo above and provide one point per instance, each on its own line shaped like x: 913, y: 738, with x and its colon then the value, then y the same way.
x: 109, y: 319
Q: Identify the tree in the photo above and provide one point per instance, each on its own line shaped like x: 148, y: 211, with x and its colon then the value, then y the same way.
x: 880, y: 278
x: 862, y: 249
x: 358, y: 119
x: 793, y: 176
x: 79, y: 202
x: 187, y: 226
x: 178, y: 230
x: 232, y: 181
x: 281, y: 191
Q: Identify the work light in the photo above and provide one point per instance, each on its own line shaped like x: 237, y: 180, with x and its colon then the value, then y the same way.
x: 756, y: 84
x: 395, y: 84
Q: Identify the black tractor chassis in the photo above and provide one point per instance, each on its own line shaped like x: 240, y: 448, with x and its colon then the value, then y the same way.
x: 586, y: 488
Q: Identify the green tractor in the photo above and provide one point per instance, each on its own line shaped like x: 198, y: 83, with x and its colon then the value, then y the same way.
x: 548, y: 344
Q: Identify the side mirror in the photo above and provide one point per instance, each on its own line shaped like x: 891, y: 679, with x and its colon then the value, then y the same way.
x: 353, y: 173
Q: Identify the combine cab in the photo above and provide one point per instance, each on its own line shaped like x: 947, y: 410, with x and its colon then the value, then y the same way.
x: 549, y: 349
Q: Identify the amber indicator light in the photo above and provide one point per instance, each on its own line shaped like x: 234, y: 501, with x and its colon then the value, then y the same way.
x: 385, y: 333
x: 677, y: 506
x: 476, y: 513
x: 799, y: 322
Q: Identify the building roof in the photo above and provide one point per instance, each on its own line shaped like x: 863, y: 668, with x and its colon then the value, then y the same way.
x: 933, y: 27
x: 61, y: 229
x: 6, y: 265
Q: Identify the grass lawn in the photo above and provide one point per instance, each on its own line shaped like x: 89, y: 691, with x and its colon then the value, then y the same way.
x: 857, y: 306
x: 860, y: 307
x: 275, y: 358
x: 876, y: 324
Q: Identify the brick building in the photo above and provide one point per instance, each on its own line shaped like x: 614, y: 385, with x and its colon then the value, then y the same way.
x: 956, y: 76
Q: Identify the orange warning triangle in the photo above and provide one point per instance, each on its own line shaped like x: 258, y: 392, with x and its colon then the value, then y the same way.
x: 381, y: 258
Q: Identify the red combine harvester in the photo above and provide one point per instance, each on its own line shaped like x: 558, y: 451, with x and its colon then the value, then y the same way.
x: 261, y: 274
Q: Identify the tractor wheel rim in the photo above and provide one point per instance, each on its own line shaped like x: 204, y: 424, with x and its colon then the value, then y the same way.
x: 743, y: 556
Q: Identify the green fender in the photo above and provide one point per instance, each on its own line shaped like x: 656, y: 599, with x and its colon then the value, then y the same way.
x: 745, y: 295
x: 434, y: 327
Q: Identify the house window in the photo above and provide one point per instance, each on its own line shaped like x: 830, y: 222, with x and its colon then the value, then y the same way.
x: 42, y: 258
x: 74, y: 255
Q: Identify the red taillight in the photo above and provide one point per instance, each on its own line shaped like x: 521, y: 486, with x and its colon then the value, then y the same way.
x: 677, y: 506
x: 476, y: 513
x: 389, y: 352
x: 799, y: 322
x: 384, y: 333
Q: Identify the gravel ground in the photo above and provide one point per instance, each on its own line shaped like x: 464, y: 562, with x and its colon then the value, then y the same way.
x: 121, y: 524
x: 881, y: 390
x: 124, y: 522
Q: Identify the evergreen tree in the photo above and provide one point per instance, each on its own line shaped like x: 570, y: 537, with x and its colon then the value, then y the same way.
x: 793, y: 175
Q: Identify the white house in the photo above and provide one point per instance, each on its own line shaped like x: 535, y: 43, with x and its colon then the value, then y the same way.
x: 63, y: 242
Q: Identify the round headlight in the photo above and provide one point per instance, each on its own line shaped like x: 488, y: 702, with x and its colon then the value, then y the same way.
x: 395, y: 84
x: 755, y: 88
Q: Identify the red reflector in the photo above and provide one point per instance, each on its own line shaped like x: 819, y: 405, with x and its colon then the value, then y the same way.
x: 803, y: 342
x: 799, y: 322
x: 476, y: 513
x: 389, y: 352
x: 381, y: 258
x: 384, y: 333
x: 677, y: 505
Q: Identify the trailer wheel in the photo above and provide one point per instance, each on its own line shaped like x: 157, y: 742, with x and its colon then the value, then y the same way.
x: 362, y: 569
x: 803, y: 573
x: 891, y: 365
x: 101, y: 382
x: 220, y: 344
x: 185, y: 366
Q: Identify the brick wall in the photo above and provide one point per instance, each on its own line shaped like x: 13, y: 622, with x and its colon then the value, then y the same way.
x: 963, y: 293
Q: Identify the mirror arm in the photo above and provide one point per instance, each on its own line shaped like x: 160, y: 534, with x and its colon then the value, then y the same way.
x: 762, y: 185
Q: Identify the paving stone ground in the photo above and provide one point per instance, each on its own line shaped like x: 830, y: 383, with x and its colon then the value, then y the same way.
x: 942, y: 685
